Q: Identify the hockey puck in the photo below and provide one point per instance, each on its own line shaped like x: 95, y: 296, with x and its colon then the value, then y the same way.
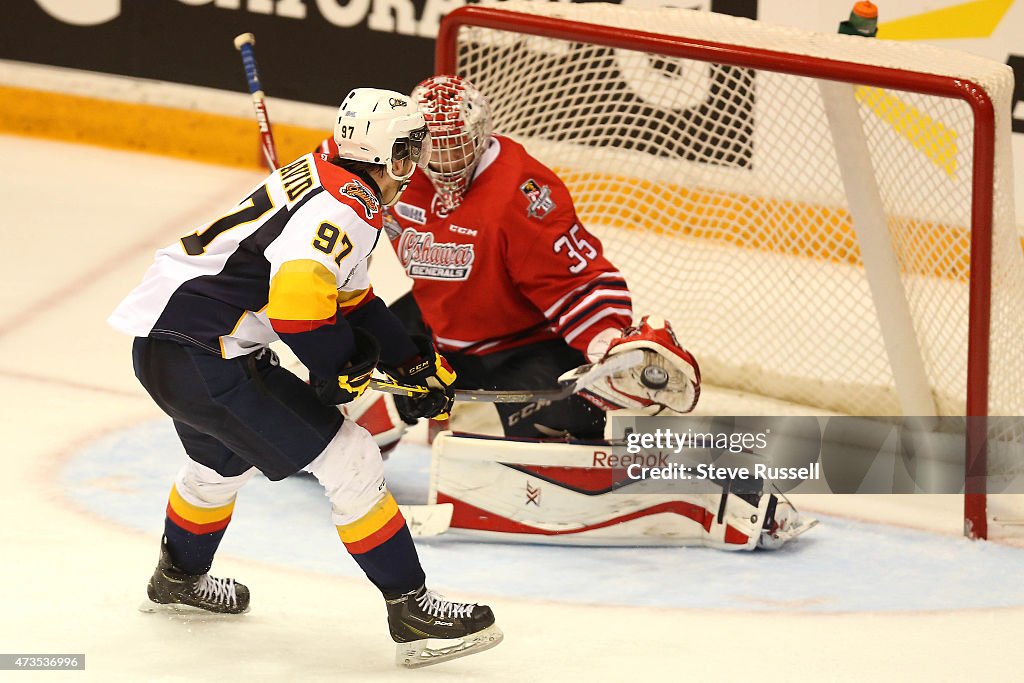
x: 654, y: 377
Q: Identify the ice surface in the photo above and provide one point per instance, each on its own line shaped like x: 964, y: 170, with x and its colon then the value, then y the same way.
x: 88, y: 461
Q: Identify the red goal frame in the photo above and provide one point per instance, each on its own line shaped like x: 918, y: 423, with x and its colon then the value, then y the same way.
x: 982, y: 189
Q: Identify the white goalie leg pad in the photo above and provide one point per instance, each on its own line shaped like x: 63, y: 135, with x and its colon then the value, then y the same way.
x: 351, y: 471
x: 377, y: 414
x: 738, y: 522
x: 567, y: 494
x: 769, y: 524
x: 476, y: 418
x: 668, y: 378
x: 205, y: 488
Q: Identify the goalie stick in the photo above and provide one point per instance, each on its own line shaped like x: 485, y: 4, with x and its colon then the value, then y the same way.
x: 244, y: 43
x: 427, y: 520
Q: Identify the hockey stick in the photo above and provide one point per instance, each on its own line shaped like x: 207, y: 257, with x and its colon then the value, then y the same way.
x: 427, y: 520
x: 244, y: 43
x: 568, y: 384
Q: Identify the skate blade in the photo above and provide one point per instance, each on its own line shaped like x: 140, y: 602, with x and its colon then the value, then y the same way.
x: 418, y: 653
x: 782, y: 537
x: 179, y: 610
x: 804, y: 526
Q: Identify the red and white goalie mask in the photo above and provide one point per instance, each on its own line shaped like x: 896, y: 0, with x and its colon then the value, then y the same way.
x: 459, y: 119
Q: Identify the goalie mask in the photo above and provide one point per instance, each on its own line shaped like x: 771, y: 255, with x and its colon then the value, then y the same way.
x: 382, y: 127
x: 459, y: 119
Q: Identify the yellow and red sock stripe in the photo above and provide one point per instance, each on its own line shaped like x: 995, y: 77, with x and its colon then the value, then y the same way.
x: 374, y: 528
x: 195, y: 519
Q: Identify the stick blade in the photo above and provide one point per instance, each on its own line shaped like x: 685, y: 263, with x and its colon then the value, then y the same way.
x: 427, y: 520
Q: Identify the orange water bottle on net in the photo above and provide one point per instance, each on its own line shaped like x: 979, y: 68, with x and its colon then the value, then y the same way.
x: 863, y: 20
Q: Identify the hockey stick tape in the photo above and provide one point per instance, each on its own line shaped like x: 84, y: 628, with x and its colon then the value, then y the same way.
x: 244, y: 39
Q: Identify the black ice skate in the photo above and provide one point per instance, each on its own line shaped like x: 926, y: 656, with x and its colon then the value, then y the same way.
x: 420, y: 615
x: 172, y: 590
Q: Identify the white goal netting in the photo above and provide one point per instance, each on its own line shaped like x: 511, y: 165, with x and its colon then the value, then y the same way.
x: 724, y: 194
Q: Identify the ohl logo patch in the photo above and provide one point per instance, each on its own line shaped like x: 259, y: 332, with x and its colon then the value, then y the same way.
x: 412, y: 213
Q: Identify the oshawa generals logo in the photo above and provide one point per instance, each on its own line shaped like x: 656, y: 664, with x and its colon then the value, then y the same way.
x: 359, y: 193
x: 424, y: 259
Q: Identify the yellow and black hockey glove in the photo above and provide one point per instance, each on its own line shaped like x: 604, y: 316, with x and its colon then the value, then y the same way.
x: 429, y: 369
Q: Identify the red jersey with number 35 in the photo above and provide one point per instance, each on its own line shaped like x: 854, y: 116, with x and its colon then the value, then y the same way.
x: 511, y: 265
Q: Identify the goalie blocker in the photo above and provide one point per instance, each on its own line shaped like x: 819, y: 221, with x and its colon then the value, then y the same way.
x: 560, y: 493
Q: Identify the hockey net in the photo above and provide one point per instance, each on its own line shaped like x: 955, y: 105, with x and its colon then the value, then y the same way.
x: 814, y: 213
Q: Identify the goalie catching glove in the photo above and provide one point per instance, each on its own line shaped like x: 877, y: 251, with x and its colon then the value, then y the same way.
x: 668, y: 377
x: 353, y: 381
x: 428, y: 369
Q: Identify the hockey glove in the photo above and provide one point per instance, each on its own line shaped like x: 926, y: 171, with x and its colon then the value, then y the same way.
x: 428, y: 369
x: 352, y: 382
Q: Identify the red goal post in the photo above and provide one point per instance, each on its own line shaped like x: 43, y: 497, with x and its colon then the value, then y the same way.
x: 560, y: 75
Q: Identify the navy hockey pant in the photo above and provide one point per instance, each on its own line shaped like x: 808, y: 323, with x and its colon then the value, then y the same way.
x: 238, y: 413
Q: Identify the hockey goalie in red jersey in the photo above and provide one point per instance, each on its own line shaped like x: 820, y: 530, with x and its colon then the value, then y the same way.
x: 515, y: 292
x: 509, y: 283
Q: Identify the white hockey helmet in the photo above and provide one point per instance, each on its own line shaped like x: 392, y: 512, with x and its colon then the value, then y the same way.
x: 459, y: 119
x: 382, y: 126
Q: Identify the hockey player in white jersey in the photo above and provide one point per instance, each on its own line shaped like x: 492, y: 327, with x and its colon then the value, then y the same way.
x: 289, y: 263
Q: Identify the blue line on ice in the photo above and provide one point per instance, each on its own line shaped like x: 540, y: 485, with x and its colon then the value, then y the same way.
x: 841, y: 566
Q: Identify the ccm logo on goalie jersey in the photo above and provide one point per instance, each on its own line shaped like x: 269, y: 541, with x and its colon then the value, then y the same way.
x: 424, y: 259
